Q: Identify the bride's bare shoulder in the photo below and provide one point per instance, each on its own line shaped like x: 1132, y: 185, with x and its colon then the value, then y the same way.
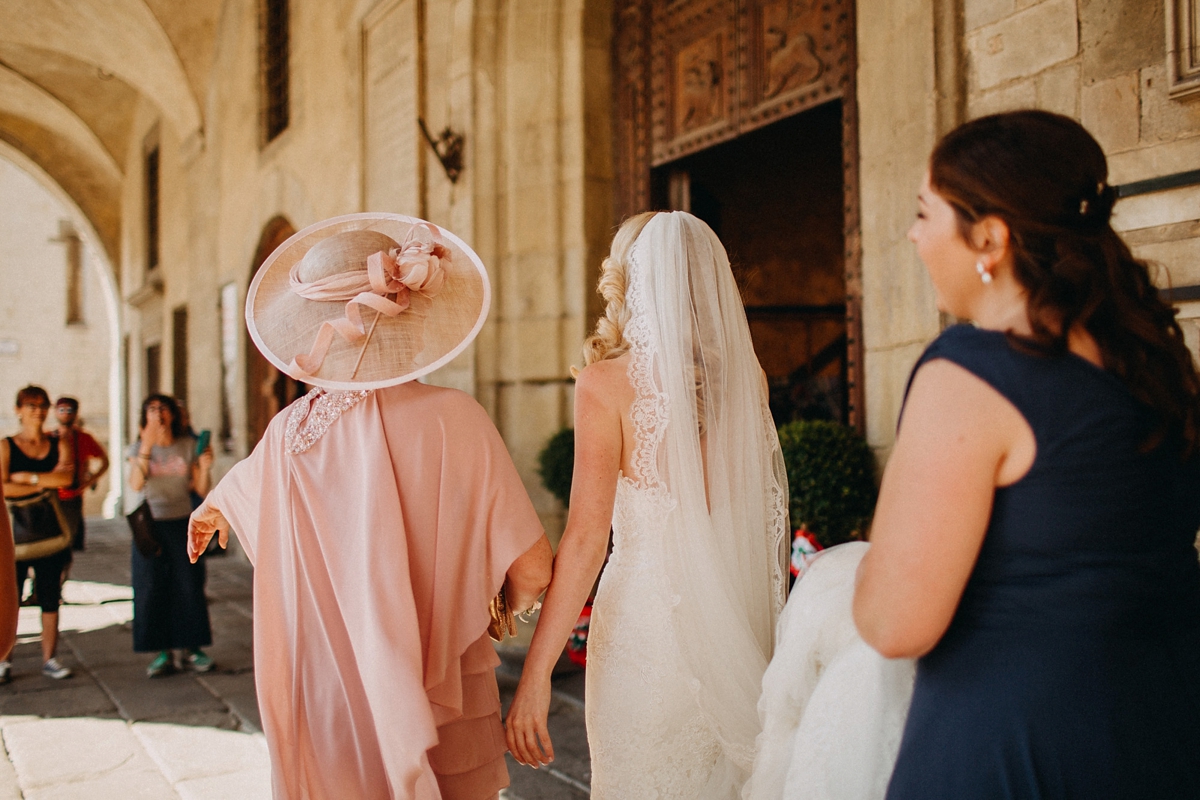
x: 607, y: 380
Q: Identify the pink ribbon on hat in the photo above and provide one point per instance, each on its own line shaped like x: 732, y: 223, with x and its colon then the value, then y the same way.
x: 385, y: 286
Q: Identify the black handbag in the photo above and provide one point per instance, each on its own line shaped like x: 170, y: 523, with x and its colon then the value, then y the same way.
x: 141, y: 522
x: 39, y: 526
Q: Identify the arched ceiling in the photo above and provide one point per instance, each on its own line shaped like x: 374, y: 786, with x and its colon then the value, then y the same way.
x: 72, y: 74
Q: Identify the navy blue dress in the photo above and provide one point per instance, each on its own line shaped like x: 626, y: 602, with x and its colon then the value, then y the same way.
x: 1071, y: 668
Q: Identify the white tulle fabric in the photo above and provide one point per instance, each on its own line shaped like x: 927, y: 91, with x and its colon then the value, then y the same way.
x: 684, y: 618
x: 832, y: 708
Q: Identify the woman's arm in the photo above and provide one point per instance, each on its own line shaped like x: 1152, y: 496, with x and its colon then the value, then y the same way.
x: 139, y: 465
x: 11, y: 488
x: 580, y: 556
x: 529, y: 575
x: 958, y: 440
x: 202, y: 472
x: 92, y: 478
x: 23, y: 484
x: 9, y: 602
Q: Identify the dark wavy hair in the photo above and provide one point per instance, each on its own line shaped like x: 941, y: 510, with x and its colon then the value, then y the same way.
x: 32, y: 393
x: 177, y: 430
x: 1047, y: 179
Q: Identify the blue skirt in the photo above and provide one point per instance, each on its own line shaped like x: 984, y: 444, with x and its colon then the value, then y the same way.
x: 169, y: 606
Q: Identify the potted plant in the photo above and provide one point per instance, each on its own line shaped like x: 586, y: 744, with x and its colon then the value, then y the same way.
x: 831, y: 481
x: 556, y: 463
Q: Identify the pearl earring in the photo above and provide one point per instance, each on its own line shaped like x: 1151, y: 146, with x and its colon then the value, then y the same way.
x: 984, y: 275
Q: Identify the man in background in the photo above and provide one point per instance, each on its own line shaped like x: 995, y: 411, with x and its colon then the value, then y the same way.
x: 87, y: 450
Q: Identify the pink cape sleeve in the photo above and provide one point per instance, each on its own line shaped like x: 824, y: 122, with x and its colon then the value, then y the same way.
x: 468, y: 518
x: 238, y: 495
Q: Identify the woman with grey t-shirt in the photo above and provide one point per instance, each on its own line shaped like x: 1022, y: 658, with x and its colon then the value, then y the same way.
x: 169, y: 607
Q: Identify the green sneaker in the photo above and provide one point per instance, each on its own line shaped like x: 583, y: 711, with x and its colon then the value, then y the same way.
x: 161, y: 665
x: 197, y: 661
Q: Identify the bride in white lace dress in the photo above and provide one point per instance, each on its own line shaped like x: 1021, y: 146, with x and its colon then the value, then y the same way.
x: 675, y: 448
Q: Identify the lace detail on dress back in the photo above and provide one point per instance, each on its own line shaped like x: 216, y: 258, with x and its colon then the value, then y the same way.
x: 646, y: 734
x: 311, y: 416
x: 648, y: 412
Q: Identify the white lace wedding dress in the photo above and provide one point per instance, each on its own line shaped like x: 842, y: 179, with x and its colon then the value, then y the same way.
x: 832, y: 708
x: 647, y: 736
x: 683, y: 621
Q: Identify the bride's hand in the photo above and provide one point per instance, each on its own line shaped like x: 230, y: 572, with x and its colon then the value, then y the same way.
x: 526, y: 727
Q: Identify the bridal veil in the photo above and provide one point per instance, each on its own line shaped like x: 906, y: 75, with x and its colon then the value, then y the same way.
x: 707, y: 448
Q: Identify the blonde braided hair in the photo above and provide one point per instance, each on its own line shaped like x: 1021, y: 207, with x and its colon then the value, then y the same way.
x: 608, y: 340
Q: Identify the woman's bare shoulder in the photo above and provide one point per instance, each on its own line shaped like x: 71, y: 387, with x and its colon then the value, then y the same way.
x: 606, y: 380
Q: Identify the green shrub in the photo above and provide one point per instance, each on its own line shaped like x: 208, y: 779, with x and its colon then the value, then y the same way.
x: 831, y: 477
x: 556, y: 463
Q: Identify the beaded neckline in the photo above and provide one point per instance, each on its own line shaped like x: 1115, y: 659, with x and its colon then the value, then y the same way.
x: 312, y: 415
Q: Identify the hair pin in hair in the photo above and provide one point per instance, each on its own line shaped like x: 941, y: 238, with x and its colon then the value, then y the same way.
x: 1083, y: 206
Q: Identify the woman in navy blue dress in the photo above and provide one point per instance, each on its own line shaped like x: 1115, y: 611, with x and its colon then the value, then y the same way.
x: 1034, y: 543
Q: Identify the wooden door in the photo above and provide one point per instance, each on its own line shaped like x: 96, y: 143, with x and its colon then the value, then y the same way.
x: 268, y: 390
x: 691, y: 75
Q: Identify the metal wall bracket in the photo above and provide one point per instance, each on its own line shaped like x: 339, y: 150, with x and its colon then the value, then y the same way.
x: 448, y: 147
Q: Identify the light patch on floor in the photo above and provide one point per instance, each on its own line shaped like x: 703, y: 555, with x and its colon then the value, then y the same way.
x: 87, y: 606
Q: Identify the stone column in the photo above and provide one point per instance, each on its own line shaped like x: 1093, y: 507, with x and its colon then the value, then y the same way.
x: 898, y: 123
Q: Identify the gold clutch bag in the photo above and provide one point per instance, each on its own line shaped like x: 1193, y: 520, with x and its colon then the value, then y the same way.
x: 503, y: 622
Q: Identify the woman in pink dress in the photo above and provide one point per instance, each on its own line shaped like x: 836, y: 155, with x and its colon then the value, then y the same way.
x: 382, y: 516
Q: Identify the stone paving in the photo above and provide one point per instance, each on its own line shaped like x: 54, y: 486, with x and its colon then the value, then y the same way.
x: 110, y: 732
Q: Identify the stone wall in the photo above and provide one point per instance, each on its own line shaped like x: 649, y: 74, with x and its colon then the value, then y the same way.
x: 526, y: 83
x: 1104, y: 63
x: 898, y: 125
x: 37, y: 345
x: 927, y: 64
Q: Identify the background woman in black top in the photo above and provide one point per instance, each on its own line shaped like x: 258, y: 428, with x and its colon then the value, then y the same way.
x: 31, y: 462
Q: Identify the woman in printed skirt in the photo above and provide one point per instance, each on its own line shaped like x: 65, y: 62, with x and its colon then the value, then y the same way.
x: 169, y: 607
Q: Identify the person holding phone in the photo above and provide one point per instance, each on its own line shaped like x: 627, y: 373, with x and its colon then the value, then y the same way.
x: 169, y: 608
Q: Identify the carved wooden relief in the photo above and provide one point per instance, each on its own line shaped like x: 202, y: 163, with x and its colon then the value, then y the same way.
x: 699, y: 96
x: 720, y: 68
x: 693, y: 75
x: 798, y: 57
x: 689, y: 74
x: 788, y: 57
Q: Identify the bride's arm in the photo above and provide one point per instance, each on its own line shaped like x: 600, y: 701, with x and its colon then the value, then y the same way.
x: 580, y: 555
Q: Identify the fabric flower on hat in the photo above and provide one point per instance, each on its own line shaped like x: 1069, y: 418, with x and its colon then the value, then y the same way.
x: 418, y: 262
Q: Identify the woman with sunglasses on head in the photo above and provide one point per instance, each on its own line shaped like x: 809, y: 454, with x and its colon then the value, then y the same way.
x: 1033, y: 545
x: 169, y: 607
x: 32, y: 462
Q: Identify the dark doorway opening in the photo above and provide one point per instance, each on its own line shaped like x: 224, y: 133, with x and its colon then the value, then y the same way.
x: 268, y: 391
x: 775, y: 197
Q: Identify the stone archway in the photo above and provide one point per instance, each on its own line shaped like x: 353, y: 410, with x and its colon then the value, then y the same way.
x: 267, y: 389
x: 102, y: 269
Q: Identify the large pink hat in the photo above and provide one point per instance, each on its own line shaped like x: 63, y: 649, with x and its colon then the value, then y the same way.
x: 365, y: 301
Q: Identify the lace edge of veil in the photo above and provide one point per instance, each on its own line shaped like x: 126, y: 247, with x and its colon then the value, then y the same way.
x: 648, y: 412
x: 779, y: 522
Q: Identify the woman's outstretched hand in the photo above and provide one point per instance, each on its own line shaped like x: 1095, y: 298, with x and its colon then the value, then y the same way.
x: 525, y: 729
x: 204, y: 522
